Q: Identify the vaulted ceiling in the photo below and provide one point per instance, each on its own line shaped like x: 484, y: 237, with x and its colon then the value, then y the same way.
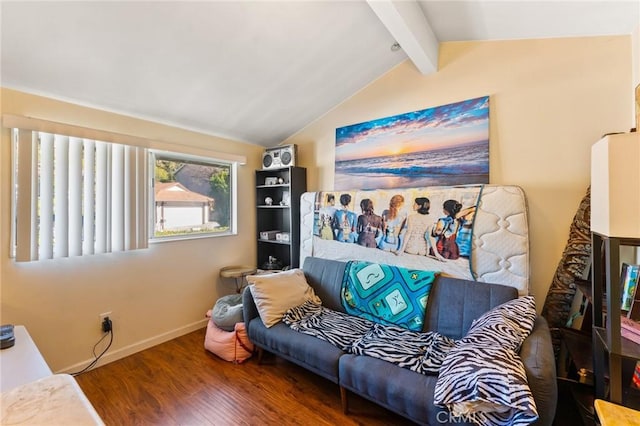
x: 256, y: 71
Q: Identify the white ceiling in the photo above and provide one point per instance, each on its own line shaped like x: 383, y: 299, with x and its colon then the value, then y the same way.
x: 256, y: 71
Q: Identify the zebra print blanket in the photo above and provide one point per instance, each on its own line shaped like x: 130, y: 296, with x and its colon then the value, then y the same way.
x: 419, y: 352
x: 337, y: 328
x: 483, y: 378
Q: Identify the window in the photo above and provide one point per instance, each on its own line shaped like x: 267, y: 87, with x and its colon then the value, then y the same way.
x: 75, y: 195
x: 192, y: 196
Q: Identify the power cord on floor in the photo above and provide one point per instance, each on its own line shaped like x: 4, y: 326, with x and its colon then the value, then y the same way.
x: 93, y: 363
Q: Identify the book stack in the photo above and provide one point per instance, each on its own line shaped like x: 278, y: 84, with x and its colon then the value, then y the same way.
x: 630, y: 329
x: 629, y: 277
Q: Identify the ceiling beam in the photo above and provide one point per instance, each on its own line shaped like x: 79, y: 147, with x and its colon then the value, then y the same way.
x: 408, y: 25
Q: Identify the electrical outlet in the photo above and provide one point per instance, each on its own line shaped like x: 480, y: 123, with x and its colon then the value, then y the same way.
x: 104, y: 315
x: 106, y: 325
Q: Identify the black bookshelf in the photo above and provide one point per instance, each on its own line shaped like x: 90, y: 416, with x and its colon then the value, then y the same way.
x: 278, y: 194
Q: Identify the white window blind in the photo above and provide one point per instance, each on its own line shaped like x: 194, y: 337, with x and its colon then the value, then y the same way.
x: 76, y: 196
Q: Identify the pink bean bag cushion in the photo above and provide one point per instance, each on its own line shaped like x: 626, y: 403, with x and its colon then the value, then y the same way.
x: 233, y: 346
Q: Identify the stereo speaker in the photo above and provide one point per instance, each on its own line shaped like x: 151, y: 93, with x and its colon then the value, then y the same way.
x: 281, y: 156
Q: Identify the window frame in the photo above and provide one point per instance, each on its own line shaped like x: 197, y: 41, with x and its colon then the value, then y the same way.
x: 153, y: 155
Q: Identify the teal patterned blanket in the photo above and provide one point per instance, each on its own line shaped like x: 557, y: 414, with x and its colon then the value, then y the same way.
x: 386, y: 294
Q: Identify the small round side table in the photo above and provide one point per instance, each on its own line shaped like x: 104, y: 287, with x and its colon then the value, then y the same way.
x: 238, y: 273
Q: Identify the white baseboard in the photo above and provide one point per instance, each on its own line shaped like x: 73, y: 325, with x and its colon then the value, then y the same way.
x: 137, y: 347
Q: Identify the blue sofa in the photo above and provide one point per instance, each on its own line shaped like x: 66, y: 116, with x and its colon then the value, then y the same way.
x: 452, y: 306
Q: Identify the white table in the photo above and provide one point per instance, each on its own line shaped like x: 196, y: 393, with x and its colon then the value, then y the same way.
x: 32, y: 395
x: 52, y: 400
x: 22, y: 363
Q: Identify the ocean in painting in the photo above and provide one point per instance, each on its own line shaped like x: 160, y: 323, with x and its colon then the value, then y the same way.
x: 440, y: 146
x: 460, y: 165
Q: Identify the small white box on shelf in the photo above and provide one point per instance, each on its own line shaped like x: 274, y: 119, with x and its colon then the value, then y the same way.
x: 282, y: 236
x: 268, y: 235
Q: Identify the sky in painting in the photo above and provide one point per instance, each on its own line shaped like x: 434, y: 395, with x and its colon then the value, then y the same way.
x: 445, y: 126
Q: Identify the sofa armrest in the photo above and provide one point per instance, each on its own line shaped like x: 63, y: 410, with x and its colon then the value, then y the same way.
x: 539, y: 362
x: 249, y: 309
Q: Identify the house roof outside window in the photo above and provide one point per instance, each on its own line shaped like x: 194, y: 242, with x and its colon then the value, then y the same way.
x: 176, y: 192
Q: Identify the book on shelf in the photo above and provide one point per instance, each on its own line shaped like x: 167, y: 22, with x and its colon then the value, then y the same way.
x: 630, y: 329
x: 634, y: 311
x: 635, y: 380
x: 629, y: 280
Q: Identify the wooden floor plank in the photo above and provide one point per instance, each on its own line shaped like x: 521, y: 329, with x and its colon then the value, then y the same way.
x: 180, y: 383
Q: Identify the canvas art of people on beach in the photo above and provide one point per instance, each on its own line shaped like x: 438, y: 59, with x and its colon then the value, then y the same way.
x: 443, y: 145
x: 429, y: 228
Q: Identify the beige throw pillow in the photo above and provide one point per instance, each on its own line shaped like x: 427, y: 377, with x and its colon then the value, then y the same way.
x: 275, y: 293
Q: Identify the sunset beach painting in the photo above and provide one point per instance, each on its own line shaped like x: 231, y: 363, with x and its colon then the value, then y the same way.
x: 444, y: 145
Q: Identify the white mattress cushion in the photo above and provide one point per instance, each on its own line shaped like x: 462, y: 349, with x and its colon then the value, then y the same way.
x: 500, y: 245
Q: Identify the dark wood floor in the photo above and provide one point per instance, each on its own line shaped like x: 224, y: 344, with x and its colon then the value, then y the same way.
x: 179, y: 383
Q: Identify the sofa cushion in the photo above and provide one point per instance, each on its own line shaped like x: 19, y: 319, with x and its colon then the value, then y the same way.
x: 398, y: 389
x: 454, y: 304
x: 275, y: 293
x: 325, y: 276
x: 316, y: 355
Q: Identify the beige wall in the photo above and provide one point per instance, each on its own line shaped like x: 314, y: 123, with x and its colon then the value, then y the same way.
x: 635, y: 59
x: 550, y: 101
x: 635, y: 52
x: 154, y: 294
